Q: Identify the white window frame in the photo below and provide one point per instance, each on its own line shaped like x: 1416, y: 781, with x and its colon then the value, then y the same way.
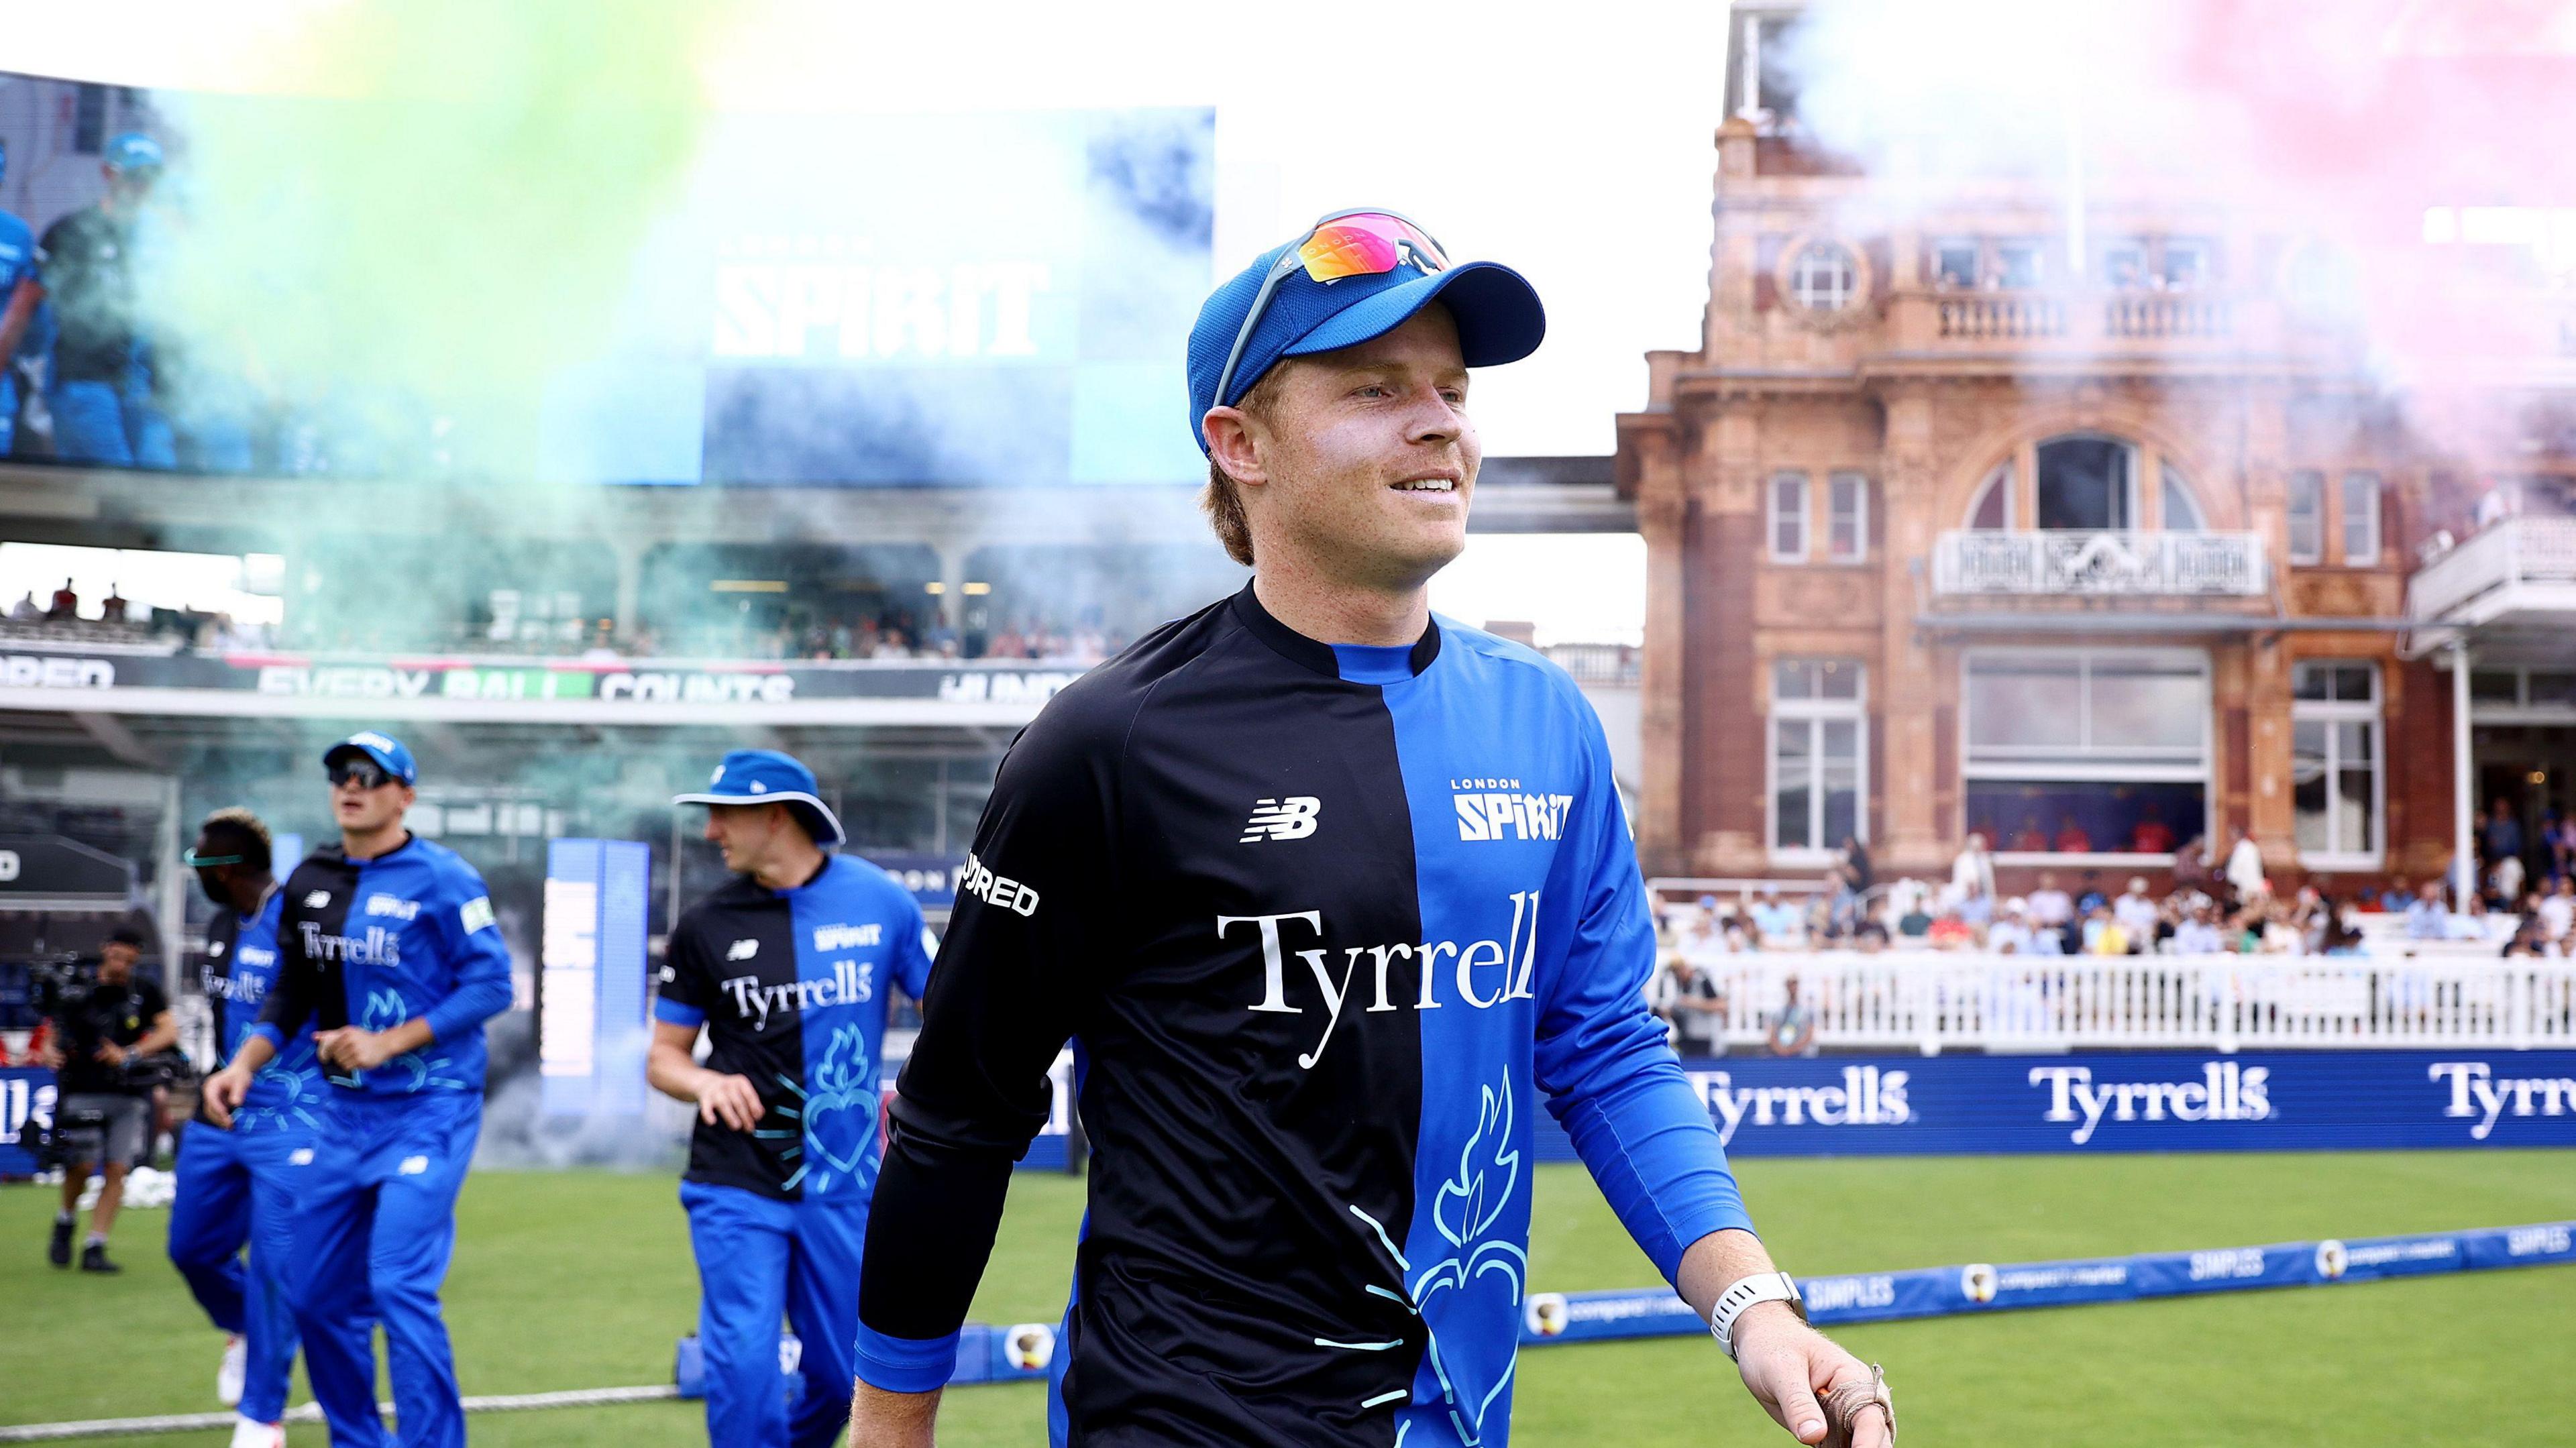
x: 1821, y: 291
x: 2313, y: 482
x: 1856, y: 487
x: 1812, y: 715
x: 1775, y: 516
x: 2363, y: 520
x: 2331, y: 712
x: 2081, y: 769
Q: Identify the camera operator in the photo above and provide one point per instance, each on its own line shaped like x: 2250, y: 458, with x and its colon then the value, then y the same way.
x: 103, y: 1105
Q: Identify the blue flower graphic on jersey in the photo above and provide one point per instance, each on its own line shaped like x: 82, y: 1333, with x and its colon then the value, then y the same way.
x: 839, y: 1113
x: 418, y: 1070
x: 1467, y: 1208
x: 298, y: 1090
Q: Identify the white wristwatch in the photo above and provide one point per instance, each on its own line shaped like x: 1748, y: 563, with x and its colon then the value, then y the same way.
x: 1747, y: 1292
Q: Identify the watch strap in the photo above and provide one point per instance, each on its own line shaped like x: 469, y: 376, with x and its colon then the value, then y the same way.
x: 1750, y: 1291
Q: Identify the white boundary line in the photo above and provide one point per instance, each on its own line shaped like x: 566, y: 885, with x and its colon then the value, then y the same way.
x: 311, y: 1413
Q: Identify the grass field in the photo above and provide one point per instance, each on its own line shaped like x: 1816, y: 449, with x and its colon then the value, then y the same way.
x: 584, y: 1280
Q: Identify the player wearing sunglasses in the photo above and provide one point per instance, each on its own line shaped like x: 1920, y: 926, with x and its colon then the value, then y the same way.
x: 1330, y: 896
x: 388, y: 947
x: 233, y: 1185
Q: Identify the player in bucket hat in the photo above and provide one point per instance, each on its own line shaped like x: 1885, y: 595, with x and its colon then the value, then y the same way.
x: 1307, y: 1220
x: 787, y: 969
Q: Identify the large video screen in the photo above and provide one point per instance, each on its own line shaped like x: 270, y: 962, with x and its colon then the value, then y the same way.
x: 818, y: 299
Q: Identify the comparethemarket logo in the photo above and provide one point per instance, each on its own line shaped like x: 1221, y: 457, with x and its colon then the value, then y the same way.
x: 2476, y: 1092
x: 2225, y: 1092
x: 1866, y: 1096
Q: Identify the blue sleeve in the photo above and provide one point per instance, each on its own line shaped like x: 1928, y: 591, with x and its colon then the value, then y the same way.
x: 1602, y: 1057
x: 912, y: 949
x: 482, y: 960
x: 906, y: 1364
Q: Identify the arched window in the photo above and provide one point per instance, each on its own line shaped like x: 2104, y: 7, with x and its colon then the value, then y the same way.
x: 2181, y: 511
x: 2087, y: 483
x: 1993, y: 509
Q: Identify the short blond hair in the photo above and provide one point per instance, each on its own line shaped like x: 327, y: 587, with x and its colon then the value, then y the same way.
x: 1222, y: 498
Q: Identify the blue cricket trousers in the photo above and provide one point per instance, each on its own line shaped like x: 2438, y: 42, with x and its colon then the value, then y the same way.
x: 759, y: 1257
x: 374, y: 1222
x: 230, y: 1196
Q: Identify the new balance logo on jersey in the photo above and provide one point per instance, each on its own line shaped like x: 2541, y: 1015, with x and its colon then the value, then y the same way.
x: 850, y: 983
x: 742, y: 950
x: 397, y: 908
x: 1497, y: 809
x: 317, y: 899
x: 847, y: 937
x: 1292, y: 818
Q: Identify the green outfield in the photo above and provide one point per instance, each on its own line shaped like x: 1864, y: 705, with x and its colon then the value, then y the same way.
x: 584, y: 1279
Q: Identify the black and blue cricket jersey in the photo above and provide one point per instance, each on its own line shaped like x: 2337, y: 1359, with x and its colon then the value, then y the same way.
x: 791, y: 987
x: 1324, y: 923
x: 374, y: 943
x: 239, y: 966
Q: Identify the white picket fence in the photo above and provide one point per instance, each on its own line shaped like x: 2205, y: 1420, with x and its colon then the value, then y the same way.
x: 1931, y: 1002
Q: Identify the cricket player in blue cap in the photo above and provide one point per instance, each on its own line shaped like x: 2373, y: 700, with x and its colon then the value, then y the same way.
x: 388, y: 947
x: 786, y: 970
x: 1332, y: 897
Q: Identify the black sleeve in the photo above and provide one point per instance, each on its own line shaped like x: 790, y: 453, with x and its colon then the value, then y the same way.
x: 687, y: 987
x: 149, y: 1001
x: 294, y: 992
x: 1021, y: 955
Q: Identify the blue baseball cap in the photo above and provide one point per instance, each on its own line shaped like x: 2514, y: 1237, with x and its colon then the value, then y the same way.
x: 387, y: 751
x: 1497, y: 311
x: 134, y: 151
x: 765, y: 776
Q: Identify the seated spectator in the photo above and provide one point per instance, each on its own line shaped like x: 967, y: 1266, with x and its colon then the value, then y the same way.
x: 1951, y: 933
x: 2336, y: 934
x: 1869, y: 937
x: 1915, y: 923
x: 2072, y: 840
x: 1976, y: 909
x: 1792, y: 1029
x: 2152, y: 835
x: 2504, y: 881
x: 2010, y: 934
x: 2091, y: 896
x: 2030, y: 839
x: 2244, y: 870
x: 2136, y: 912
x: 2392, y: 900
x: 2051, y: 909
x: 2556, y: 912
x: 2103, y: 934
x: 2428, y: 918
x: 1782, y: 926
x: 2198, y: 934
x: 2191, y: 866
x: 66, y: 605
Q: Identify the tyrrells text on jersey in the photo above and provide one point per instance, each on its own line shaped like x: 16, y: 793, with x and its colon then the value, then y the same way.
x: 378, y: 946
x: 1512, y: 959
x: 852, y: 982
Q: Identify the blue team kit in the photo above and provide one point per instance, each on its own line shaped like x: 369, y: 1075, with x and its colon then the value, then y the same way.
x: 232, y: 1184
x: 791, y: 987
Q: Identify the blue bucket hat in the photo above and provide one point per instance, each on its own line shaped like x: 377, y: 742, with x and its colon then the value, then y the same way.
x: 387, y: 751
x: 134, y: 151
x: 1497, y: 311
x: 765, y: 776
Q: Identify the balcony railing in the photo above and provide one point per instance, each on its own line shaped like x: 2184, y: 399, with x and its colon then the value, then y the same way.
x: 2487, y: 575
x: 2068, y: 562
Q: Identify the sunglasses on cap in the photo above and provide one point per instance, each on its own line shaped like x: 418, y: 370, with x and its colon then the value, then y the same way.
x: 195, y: 861
x: 1363, y: 243
x: 362, y: 772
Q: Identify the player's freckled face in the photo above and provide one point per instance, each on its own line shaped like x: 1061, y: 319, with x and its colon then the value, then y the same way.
x: 1370, y: 456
